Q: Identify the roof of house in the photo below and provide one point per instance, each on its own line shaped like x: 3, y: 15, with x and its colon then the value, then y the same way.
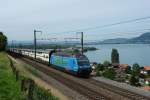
x: 124, y: 66
x: 146, y: 67
x: 115, y: 64
x: 147, y: 79
x: 146, y: 88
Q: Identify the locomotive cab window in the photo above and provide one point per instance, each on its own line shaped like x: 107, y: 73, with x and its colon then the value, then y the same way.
x: 83, y: 63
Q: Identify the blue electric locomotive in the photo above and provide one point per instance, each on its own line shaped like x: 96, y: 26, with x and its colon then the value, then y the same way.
x: 77, y: 64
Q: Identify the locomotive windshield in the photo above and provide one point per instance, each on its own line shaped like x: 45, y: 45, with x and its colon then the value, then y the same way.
x: 83, y: 61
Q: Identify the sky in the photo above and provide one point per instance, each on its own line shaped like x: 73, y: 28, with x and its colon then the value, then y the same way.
x: 18, y: 18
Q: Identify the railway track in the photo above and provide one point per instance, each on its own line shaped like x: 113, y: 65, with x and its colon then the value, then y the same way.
x: 117, y: 90
x: 92, y: 89
x: 80, y: 88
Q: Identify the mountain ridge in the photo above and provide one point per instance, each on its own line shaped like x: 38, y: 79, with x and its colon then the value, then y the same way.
x: 143, y: 39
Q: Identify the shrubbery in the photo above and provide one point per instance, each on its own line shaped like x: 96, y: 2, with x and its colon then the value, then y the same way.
x: 3, y: 41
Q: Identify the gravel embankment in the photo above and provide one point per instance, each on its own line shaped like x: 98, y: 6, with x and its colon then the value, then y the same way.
x: 124, y: 86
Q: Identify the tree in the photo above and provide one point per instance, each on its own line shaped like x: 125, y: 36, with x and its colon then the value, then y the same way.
x: 76, y: 51
x: 3, y: 41
x: 128, y: 70
x: 115, y: 56
x: 109, y: 73
x: 106, y: 64
x: 134, y: 80
x: 135, y: 69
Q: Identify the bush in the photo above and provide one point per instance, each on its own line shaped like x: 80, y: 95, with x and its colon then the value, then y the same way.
x: 134, y: 80
x: 3, y: 41
x: 109, y: 73
x: 128, y: 70
x: 42, y: 94
x: 98, y: 73
x: 100, y: 67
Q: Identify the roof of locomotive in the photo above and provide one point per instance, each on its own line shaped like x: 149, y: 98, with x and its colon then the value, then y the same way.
x: 65, y: 54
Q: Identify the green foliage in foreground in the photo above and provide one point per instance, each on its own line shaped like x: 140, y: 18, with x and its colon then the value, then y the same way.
x: 42, y: 94
x: 9, y: 87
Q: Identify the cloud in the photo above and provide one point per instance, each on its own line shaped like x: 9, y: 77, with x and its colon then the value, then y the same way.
x: 20, y: 17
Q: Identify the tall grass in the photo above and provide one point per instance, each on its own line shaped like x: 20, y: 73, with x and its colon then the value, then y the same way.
x: 9, y: 87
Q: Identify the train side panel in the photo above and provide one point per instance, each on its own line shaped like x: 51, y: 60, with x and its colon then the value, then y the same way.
x: 66, y: 63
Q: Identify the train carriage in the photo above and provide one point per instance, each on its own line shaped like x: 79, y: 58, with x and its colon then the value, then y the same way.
x: 76, y: 64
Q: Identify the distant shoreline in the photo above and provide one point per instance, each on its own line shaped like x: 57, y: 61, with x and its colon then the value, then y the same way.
x: 116, y: 43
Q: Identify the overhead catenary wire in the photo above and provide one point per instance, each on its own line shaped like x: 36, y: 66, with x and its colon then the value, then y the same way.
x: 103, y: 26
x: 107, y: 25
x: 119, y: 34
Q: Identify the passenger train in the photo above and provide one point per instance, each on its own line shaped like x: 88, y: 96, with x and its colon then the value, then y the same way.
x: 76, y: 64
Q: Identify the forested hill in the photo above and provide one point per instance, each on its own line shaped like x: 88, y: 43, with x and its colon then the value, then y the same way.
x: 144, y: 38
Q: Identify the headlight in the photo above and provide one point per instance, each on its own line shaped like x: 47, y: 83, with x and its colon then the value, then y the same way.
x: 80, y: 66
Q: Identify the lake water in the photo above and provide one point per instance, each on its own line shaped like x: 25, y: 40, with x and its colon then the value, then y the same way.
x: 129, y: 53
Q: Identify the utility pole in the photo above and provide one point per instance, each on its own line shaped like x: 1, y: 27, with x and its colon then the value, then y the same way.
x: 12, y: 45
x: 35, y: 42
x: 82, y: 41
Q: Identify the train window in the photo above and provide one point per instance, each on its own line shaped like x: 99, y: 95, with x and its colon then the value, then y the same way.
x: 83, y: 63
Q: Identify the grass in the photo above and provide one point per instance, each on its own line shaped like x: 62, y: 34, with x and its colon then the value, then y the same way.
x: 9, y: 87
x: 28, y: 72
